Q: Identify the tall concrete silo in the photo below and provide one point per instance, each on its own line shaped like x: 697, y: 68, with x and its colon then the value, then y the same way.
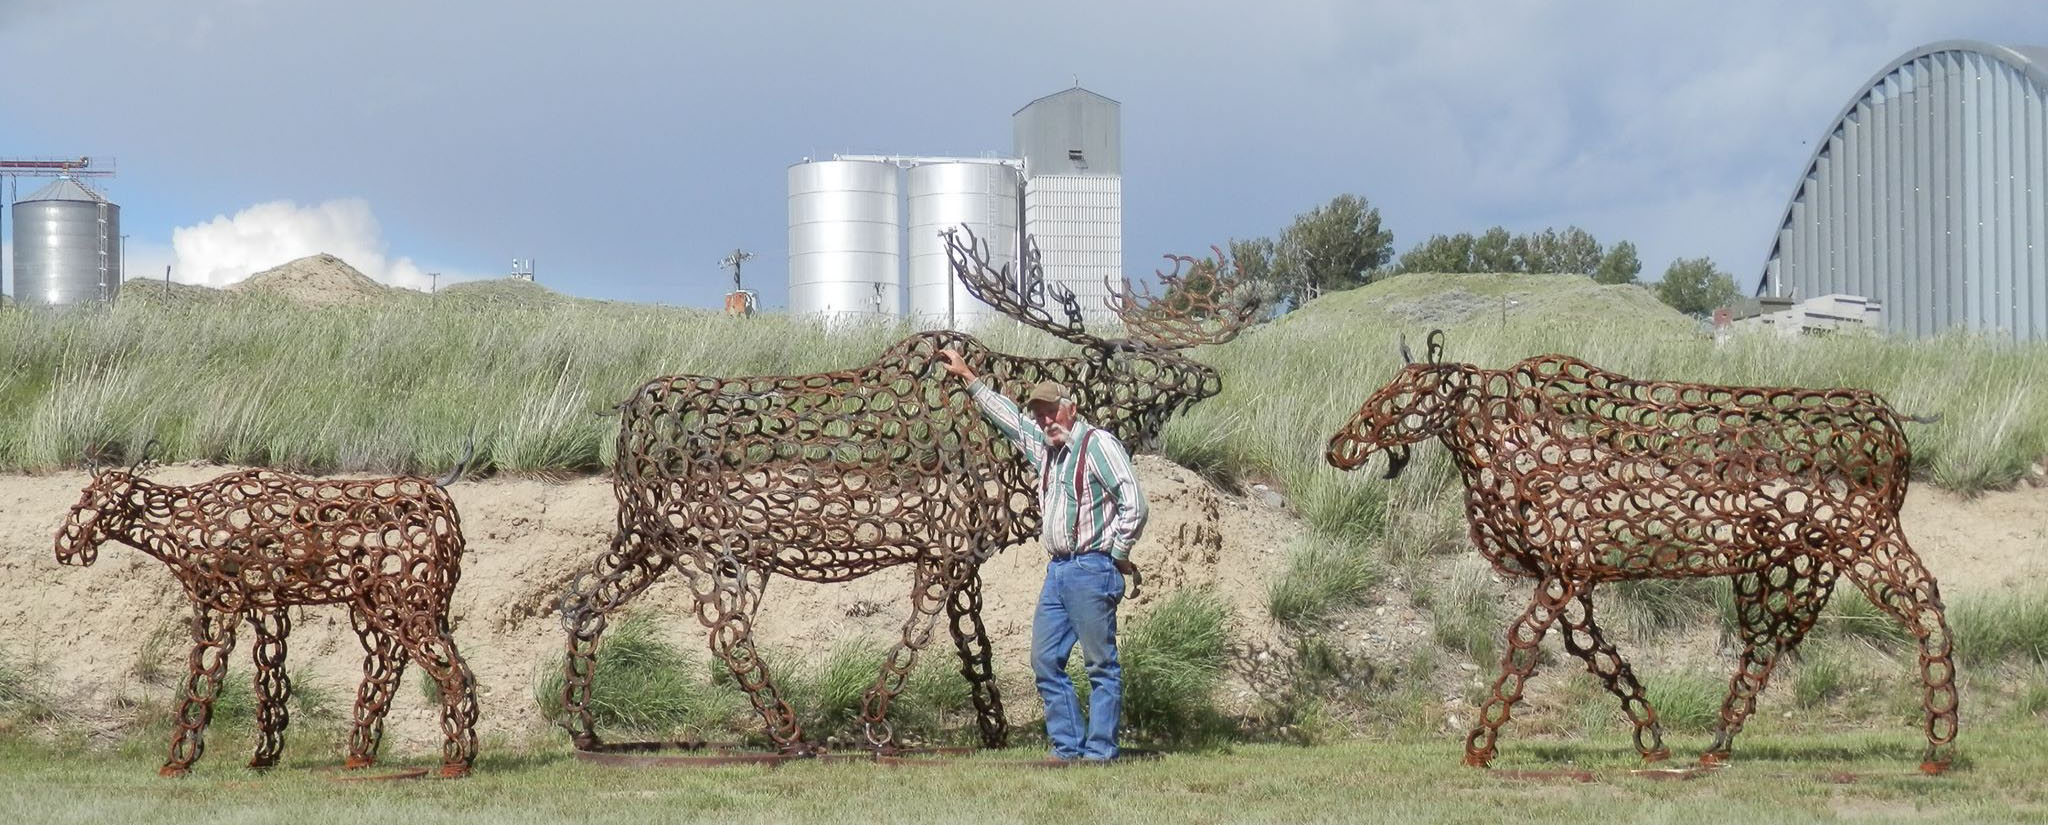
x: 67, y: 246
x: 1072, y: 145
x: 948, y: 195
x: 845, y: 240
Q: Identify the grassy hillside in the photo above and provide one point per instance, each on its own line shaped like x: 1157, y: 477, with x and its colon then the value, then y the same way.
x: 1307, y: 372
x: 395, y: 384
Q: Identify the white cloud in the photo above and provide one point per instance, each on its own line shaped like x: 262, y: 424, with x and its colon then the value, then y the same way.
x: 226, y: 249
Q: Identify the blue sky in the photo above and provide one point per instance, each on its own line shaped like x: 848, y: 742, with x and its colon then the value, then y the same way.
x: 627, y: 146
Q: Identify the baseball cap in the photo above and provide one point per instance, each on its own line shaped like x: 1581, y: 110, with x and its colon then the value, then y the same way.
x: 1046, y: 392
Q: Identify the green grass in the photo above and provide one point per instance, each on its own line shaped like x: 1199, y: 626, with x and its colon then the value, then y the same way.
x: 1647, y: 607
x: 396, y: 386
x: 2011, y: 626
x: 1307, y: 373
x: 644, y: 685
x: 827, y: 693
x: 1686, y: 701
x: 1775, y: 779
x: 1173, y: 660
x: 1322, y: 577
x: 1467, y: 616
x: 1823, y: 674
x: 23, y: 698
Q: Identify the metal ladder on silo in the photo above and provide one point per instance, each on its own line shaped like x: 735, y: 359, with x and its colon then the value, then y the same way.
x: 104, y: 299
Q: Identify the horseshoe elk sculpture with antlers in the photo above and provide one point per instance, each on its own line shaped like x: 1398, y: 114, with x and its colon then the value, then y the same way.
x: 835, y: 476
x: 1575, y: 476
x: 250, y: 545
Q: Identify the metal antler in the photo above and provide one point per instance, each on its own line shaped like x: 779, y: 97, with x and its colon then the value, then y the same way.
x: 1022, y: 298
x: 1202, y: 307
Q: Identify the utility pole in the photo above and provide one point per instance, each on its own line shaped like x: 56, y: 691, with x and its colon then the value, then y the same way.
x: 733, y: 261
x: 738, y: 301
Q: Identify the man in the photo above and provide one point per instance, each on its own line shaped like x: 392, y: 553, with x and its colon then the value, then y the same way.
x: 1090, y: 512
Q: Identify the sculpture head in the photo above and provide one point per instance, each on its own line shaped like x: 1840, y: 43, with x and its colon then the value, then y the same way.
x: 1129, y: 385
x: 1422, y: 402
x: 105, y: 509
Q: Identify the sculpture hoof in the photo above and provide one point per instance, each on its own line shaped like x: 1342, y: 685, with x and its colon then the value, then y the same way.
x: 1655, y: 756
x: 455, y: 771
x: 173, y: 771
x: 1477, y: 760
x: 1934, y: 768
x: 357, y: 762
x: 1713, y: 760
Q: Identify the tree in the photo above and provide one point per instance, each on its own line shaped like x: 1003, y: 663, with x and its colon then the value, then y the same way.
x: 1335, y: 246
x: 1441, y: 253
x: 1619, y: 265
x: 1494, y: 251
x: 1573, y: 250
x: 1693, y: 286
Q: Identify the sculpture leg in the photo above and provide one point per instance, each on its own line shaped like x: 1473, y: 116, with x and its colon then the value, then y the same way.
x: 1582, y: 638
x: 273, y: 685
x: 1517, y: 665
x: 728, y: 592
x: 426, y: 638
x: 970, y: 639
x: 213, y: 638
x: 383, y: 665
x: 1775, y: 608
x: 1893, y: 578
x: 616, y: 578
x: 934, y: 586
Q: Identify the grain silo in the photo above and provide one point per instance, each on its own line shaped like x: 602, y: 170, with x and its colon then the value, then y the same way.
x: 1072, y: 145
x: 845, y: 240
x: 983, y: 197
x: 67, y: 246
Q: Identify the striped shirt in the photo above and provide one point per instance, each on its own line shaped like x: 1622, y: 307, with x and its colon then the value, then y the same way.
x: 1084, y: 506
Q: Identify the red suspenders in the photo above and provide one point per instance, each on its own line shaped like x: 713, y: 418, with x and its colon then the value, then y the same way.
x: 1080, y: 478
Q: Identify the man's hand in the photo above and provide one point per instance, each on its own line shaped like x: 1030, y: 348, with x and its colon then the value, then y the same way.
x: 1130, y: 571
x: 956, y: 365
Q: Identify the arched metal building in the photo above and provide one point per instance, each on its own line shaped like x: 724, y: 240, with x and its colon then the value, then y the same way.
x: 1929, y: 193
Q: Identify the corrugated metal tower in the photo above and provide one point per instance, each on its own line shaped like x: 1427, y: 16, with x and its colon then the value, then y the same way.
x: 67, y: 246
x: 845, y: 240
x: 946, y: 195
x: 1929, y: 193
x: 1072, y: 145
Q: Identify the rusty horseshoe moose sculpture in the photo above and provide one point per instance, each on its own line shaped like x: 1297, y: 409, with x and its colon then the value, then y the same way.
x: 835, y: 476
x: 1575, y: 476
x: 250, y: 545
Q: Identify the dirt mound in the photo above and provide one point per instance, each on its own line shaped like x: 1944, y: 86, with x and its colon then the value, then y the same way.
x: 315, y: 280
x: 109, y: 637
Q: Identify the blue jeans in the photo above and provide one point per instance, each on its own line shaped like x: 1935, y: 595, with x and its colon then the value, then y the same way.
x: 1079, y: 603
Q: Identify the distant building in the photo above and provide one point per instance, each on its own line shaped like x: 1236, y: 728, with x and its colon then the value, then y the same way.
x: 1063, y: 188
x: 1072, y: 145
x: 1928, y: 194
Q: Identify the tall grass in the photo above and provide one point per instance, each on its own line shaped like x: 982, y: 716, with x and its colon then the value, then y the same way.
x: 2003, y: 627
x: 645, y: 685
x: 827, y: 694
x: 1173, y: 661
x: 386, y: 387
x: 22, y: 698
x: 398, y: 385
x: 1322, y: 577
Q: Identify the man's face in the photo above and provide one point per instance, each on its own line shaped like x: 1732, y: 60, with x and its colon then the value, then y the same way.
x: 1056, y: 419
